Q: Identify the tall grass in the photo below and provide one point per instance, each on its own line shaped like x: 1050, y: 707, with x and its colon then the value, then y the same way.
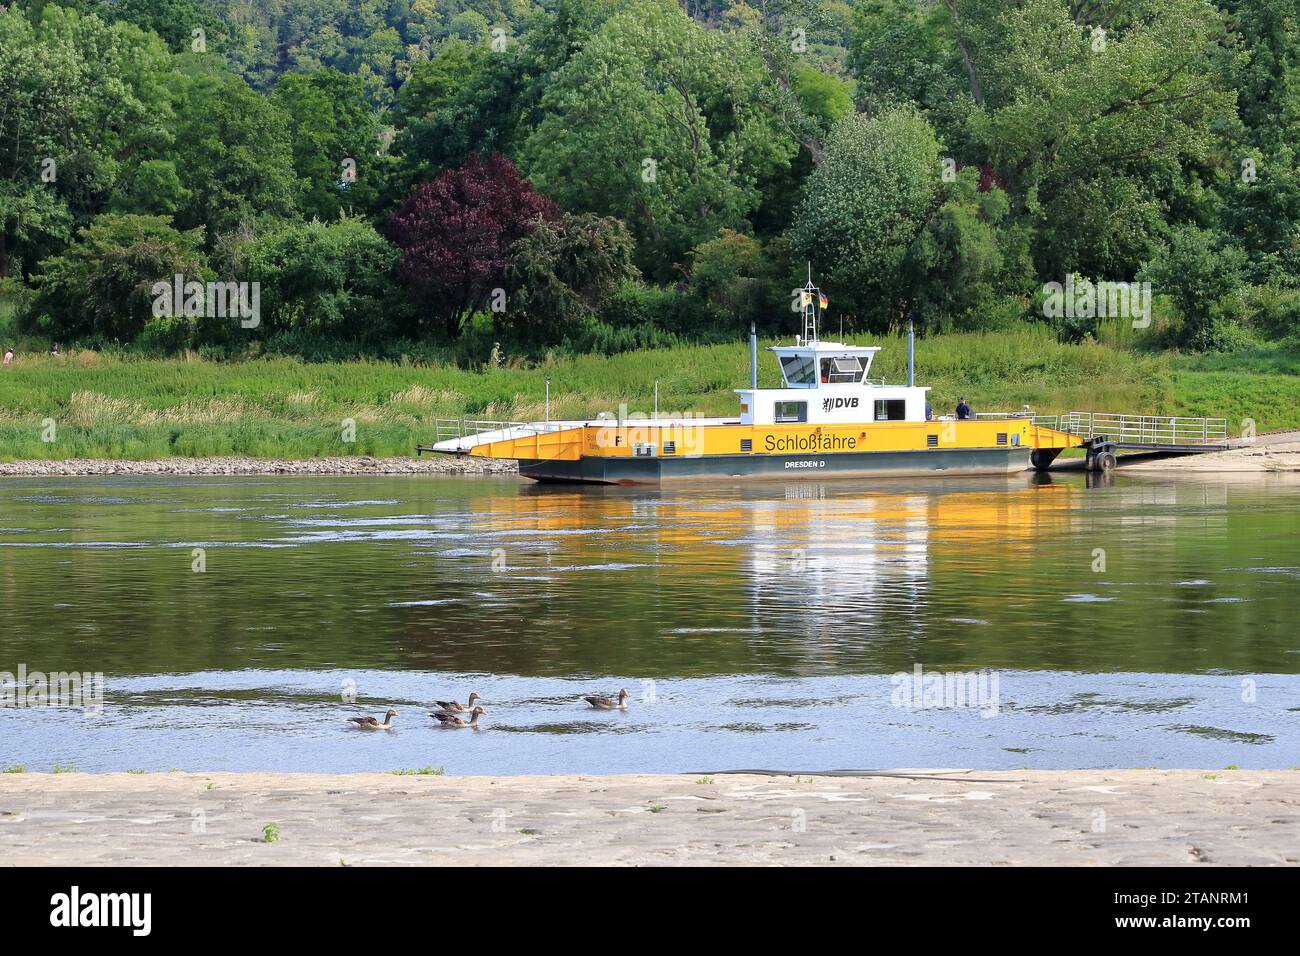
x: 107, y: 406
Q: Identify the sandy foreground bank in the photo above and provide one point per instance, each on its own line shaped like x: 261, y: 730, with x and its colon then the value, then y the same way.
x: 1083, y: 817
x: 239, y: 465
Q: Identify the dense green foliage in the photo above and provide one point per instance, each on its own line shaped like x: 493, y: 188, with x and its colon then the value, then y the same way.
x: 102, y: 285
x: 371, y: 164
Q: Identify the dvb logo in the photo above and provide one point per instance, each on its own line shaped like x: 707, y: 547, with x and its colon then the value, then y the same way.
x: 829, y: 404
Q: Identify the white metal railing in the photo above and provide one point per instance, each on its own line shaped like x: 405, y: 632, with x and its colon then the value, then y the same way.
x: 445, y: 429
x: 1139, y: 429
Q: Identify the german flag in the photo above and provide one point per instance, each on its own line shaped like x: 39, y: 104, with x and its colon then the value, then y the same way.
x: 824, y: 301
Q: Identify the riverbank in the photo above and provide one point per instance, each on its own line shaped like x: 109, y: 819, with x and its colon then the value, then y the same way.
x: 1263, y: 455
x: 1267, y: 454
x: 960, y: 818
x: 240, y: 465
x: 103, y: 406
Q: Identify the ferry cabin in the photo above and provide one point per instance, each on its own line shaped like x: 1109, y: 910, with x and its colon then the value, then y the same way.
x: 827, y: 383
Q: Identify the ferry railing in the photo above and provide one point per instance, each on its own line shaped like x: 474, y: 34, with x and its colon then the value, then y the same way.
x: 445, y: 429
x: 1153, y: 430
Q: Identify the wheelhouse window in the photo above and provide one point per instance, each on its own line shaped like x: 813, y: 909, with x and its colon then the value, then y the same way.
x: 844, y: 370
x: 799, y: 370
x: 791, y: 412
x: 891, y: 409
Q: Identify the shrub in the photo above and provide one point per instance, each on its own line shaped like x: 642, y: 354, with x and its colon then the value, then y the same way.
x: 335, y: 280
x: 1274, y: 311
x: 102, y: 284
x: 636, y: 305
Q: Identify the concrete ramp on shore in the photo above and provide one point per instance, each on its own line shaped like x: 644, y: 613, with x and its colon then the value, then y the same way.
x: 1265, y: 454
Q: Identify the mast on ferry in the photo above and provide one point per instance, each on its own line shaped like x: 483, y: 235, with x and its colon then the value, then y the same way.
x: 811, y: 301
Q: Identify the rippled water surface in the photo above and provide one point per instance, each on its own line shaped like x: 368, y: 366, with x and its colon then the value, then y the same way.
x: 1132, y: 623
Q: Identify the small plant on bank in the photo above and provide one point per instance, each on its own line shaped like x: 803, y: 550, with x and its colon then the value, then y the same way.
x: 271, y: 833
x: 429, y: 771
x: 16, y: 768
x: 61, y: 768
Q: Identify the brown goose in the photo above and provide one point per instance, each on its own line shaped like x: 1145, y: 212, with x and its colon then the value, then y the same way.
x: 605, y: 703
x: 372, y: 723
x: 451, y: 720
x: 454, y: 707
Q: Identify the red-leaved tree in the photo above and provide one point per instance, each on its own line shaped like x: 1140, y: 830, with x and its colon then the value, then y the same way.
x: 456, y: 233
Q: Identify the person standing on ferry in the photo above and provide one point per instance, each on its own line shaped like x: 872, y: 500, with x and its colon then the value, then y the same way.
x: 963, y: 410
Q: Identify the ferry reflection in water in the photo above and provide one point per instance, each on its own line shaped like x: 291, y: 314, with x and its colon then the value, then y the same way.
x: 854, y: 566
x: 820, y: 571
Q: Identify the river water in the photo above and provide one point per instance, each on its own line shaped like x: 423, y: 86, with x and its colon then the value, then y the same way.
x: 239, y: 622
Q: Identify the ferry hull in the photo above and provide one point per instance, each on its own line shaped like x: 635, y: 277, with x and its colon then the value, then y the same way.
x: 871, y: 464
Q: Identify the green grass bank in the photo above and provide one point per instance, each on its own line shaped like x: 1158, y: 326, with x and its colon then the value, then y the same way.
x: 93, y: 405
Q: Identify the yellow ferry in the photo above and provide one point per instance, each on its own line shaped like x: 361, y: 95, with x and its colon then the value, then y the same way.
x: 830, y: 420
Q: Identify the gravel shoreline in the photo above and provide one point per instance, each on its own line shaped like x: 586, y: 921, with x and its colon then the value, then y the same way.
x: 240, y: 465
x: 899, y: 817
x: 1267, y: 454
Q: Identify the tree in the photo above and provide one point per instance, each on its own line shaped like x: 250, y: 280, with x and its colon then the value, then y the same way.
x: 732, y: 273
x: 433, y: 84
x: 967, y: 258
x: 1097, y: 133
x: 233, y: 154
x: 656, y: 121
x: 37, y: 84
x: 864, y: 206
x: 1262, y: 201
x: 904, y: 52
x: 457, y: 234
x: 824, y: 98
x: 482, y: 115
x: 1262, y: 212
x: 1196, y: 270
x: 334, y: 139
x: 771, y: 39
x: 469, y: 25
x: 173, y: 20
x: 102, y: 285
x: 79, y: 101
x: 336, y: 278
x: 563, y: 272
x: 496, y: 102
x: 152, y: 188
